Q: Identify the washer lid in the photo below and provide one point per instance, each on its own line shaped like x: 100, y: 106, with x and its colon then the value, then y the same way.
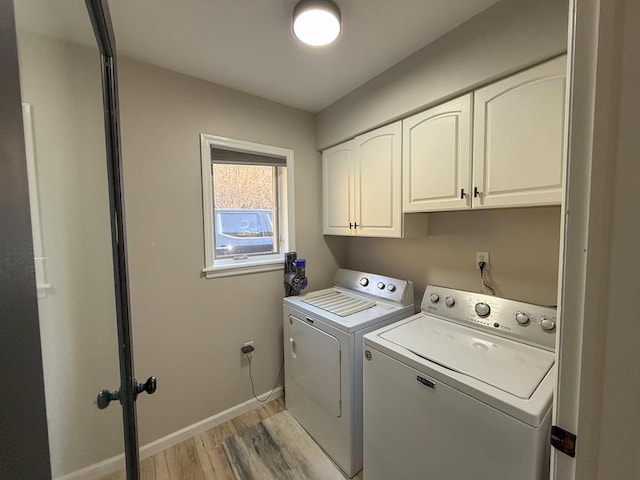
x: 513, y: 367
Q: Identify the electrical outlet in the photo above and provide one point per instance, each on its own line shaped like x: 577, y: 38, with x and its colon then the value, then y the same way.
x: 482, y: 257
x: 251, y: 350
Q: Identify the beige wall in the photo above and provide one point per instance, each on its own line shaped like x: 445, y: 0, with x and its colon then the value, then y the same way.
x: 188, y: 330
x: 523, y: 245
x: 77, y: 316
x: 509, y: 36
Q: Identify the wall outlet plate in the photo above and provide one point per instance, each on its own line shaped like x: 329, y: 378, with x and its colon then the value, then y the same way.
x: 482, y: 257
x: 248, y: 344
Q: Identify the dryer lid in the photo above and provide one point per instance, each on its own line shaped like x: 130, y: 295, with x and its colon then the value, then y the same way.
x: 511, y: 366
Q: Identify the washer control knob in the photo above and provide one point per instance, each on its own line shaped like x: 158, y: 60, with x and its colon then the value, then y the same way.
x: 482, y: 309
x: 364, y: 281
x: 522, y: 318
x: 381, y: 285
x: 450, y: 301
x: 391, y: 287
x: 547, y: 323
x: 434, y: 297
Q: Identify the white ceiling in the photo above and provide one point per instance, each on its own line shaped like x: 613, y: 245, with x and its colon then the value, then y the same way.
x: 248, y: 45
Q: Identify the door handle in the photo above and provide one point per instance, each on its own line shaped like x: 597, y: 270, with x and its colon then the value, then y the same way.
x: 149, y: 386
x: 105, y: 397
x: 292, y: 343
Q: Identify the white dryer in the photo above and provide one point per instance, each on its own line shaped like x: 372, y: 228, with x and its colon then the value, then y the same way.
x: 462, y: 390
x: 323, y: 343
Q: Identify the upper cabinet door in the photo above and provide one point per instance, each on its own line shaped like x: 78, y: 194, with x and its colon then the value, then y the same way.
x: 436, y: 158
x: 518, y: 138
x: 378, y: 182
x: 337, y: 185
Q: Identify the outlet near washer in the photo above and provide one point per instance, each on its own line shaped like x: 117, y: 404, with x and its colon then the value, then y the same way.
x: 482, y: 257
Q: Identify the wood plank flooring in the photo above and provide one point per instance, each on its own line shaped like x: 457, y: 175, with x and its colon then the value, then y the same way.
x: 202, y: 457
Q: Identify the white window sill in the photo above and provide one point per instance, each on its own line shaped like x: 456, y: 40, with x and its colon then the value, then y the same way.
x: 228, y: 269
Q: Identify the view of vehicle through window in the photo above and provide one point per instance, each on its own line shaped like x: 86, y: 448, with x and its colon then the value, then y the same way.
x: 244, y: 197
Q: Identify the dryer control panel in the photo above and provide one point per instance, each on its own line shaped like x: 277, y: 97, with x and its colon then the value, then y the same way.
x: 524, y: 322
x: 377, y: 286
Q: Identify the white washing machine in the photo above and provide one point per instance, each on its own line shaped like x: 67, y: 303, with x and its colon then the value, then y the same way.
x: 323, y: 343
x: 461, y: 391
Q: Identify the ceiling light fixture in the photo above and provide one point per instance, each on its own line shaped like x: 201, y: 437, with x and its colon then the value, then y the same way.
x: 316, y: 22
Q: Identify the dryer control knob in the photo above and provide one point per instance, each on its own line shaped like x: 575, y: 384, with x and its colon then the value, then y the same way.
x: 482, y: 309
x: 450, y: 301
x: 547, y: 324
x: 522, y: 318
x: 381, y: 285
x: 391, y: 287
x: 364, y: 281
x: 434, y: 297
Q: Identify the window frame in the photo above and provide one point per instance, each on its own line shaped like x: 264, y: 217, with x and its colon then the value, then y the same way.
x: 285, y: 214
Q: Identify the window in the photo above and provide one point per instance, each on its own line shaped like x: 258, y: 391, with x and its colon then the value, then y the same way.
x: 247, y: 191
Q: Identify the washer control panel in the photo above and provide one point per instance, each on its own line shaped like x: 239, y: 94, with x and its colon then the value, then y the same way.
x: 482, y: 309
x: 525, y: 322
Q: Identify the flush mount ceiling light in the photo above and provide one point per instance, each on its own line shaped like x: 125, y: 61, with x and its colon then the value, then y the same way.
x: 316, y: 22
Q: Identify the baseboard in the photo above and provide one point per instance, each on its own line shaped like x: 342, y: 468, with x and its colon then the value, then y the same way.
x: 112, y: 464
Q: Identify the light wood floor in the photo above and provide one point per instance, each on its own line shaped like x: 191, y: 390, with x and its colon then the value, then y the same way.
x: 202, y: 457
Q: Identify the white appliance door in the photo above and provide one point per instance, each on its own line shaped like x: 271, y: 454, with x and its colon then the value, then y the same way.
x: 415, y: 427
x: 315, y: 364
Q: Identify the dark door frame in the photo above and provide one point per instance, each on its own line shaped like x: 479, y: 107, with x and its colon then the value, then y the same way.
x: 102, y: 27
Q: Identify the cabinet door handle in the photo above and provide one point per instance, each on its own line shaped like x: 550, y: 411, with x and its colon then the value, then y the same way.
x: 355, y: 225
x: 462, y: 193
x: 476, y: 193
x: 350, y: 226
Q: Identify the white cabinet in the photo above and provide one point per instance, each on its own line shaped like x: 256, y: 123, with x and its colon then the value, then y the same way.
x: 500, y: 146
x: 436, y: 158
x: 518, y: 135
x: 512, y: 159
x: 378, y: 182
x: 338, y: 189
x: 362, y: 187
